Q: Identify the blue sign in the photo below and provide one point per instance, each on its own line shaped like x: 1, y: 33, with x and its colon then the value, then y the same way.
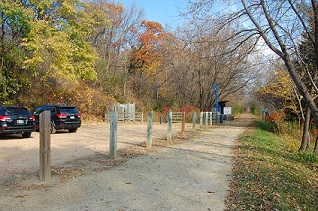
x: 216, y: 90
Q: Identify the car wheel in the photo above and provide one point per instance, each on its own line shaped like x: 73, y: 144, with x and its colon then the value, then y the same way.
x: 26, y: 134
x: 52, y: 128
x: 73, y: 130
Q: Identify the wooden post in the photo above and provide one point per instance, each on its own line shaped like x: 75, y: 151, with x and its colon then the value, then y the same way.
x: 45, y: 146
x: 183, y: 118
x: 113, y: 135
x: 149, y: 130
x: 201, y: 119
x: 206, y: 119
x: 169, y: 134
x: 194, y: 119
x: 210, y: 118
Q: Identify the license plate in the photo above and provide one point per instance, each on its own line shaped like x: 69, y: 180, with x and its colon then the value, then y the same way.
x: 72, y: 117
x: 20, y: 121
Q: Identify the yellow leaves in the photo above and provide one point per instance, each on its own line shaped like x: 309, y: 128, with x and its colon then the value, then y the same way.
x: 280, y: 87
x: 60, y: 50
x: 280, y: 91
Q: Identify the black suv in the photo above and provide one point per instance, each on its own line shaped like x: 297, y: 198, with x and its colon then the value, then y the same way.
x: 62, y: 117
x: 15, y: 120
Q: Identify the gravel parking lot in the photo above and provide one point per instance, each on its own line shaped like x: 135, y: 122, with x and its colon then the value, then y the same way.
x: 19, y: 154
x: 192, y: 174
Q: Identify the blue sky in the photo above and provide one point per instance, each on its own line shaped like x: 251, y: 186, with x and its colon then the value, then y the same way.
x: 162, y: 11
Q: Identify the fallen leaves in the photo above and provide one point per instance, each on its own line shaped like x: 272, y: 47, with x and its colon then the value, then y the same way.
x: 12, y: 185
x: 264, y: 178
x: 66, y: 173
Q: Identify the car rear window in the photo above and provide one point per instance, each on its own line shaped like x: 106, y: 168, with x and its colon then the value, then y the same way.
x: 44, y: 108
x: 69, y: 110
x: 16, y: 111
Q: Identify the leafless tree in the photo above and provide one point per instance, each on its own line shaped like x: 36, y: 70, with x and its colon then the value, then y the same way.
x: 280, y: 25
x: 204, y: 58
x: 115, y: 33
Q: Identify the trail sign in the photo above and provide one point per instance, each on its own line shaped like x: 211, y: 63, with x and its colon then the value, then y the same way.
x: 227, y: 110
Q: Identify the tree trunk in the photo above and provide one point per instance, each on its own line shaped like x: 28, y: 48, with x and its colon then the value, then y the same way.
x: 316, y: 145
x: 302, y: 89
x: 305, y: 142
x: 315, y: 10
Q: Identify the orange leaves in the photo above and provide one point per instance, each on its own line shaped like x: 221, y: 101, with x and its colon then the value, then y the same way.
x: 153, y: 33
x: 146, y: 58
x: 274, y: 117
x: 115, y: 7
x: 150, y: 37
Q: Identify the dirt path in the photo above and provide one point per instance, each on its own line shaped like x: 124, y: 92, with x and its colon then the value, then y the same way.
x: 192, y: 175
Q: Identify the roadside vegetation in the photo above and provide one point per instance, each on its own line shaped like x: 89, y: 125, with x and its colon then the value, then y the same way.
x: 269, y: 173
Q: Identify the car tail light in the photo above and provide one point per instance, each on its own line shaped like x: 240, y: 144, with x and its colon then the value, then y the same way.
x: 4, y: 118
x: 32, y: 118
x: 61, y: 115
x: 79, y: 115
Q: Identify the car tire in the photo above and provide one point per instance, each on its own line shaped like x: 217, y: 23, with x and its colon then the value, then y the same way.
x: 26, y: 134
x: 73, y: 130
x: 52, y: 128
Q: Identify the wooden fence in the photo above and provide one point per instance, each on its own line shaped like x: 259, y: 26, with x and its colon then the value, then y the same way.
x: 177, y: 117
x: 131, y: 117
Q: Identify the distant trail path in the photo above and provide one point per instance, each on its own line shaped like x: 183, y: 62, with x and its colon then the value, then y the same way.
x: 194, y: 175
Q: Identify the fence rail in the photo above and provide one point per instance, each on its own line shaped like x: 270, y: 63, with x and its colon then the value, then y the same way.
x: 177, y: 117
x: 130, y: 117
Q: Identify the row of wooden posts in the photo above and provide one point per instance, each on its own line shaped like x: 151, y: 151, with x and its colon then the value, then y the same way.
x: 207, y: 116
x: 113, y: 131
x: 45, y: 137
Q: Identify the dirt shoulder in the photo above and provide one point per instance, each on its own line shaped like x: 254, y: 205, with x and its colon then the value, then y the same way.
x: 191, y: 173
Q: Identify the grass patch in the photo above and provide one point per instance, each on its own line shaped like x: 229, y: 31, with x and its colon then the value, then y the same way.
x: 267, y: 175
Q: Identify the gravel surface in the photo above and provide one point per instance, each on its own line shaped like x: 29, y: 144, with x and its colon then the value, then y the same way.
x: 191, y: 173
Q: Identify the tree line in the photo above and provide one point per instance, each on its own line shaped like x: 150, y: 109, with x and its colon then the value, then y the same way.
x: 94, y: 53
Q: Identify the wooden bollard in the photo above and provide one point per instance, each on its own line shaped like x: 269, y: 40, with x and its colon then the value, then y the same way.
x: 169, y: 133
x: 206, y: 118
x: 201, y: 119
x: 149, y: 130
x: 113, y: 135
x: 45, y: 146
x: 194, y: 119
x: 183, y: 118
